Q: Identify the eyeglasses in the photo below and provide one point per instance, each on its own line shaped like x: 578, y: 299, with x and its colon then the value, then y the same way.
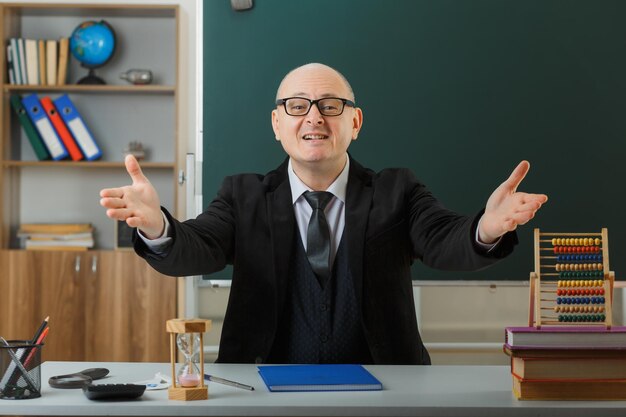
x: 328, y: 106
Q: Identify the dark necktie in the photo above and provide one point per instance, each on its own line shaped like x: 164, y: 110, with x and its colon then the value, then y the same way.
x: 318, y: 235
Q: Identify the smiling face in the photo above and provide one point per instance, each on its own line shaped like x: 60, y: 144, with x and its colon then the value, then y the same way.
x: 313, y: 141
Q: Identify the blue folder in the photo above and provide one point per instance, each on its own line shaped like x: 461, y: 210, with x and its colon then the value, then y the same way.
x: 283, y: 378
x: 77, y: 127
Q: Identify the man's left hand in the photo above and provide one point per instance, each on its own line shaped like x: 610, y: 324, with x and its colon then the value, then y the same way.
x: 507, y: 208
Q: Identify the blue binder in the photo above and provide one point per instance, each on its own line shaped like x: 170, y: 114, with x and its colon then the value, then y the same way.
x: 77, y: 126
x: 44, y: 127
x: 318, y: 378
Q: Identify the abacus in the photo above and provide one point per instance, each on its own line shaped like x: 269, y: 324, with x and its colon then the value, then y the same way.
x: 571, y: 284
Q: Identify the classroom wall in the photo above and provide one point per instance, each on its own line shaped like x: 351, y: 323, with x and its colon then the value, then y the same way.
x: 454, y: 320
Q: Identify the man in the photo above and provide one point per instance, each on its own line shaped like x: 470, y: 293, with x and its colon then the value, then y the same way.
x: 327, y: 284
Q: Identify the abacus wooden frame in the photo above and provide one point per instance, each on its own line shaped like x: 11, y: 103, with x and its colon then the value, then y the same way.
x: 537, y: 285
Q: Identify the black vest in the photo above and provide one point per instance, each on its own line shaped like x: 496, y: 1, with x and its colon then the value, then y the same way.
x: 320, y: 325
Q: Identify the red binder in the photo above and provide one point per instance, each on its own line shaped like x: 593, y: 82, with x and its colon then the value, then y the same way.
x: 59, y: 125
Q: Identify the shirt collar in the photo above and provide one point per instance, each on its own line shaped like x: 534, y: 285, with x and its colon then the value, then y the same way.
x: 337, y: 188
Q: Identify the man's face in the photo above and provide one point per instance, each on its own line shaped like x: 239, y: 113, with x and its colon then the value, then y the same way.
x: 314, y: 138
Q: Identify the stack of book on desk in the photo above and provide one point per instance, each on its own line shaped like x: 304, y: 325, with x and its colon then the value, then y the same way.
x: 567, y: 363
x: 56, y: 236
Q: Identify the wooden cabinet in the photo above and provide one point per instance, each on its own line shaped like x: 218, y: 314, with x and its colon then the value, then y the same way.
x: 103, y: 305
x: 127, y: 306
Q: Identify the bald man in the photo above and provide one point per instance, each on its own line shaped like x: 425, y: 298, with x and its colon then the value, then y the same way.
x: 294, y: 299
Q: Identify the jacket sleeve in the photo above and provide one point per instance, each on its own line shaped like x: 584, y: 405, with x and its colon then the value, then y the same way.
x: 444, y: 239
x: 199, y: 246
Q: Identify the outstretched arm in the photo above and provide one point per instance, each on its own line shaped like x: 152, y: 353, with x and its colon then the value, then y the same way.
x: 507, y: 208
x: 137, y: 204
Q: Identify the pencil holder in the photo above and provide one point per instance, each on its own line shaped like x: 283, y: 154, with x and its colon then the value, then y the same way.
x: 20, y: 371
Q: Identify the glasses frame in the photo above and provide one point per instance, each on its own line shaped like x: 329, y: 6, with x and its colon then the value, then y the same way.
x: 344, y: 101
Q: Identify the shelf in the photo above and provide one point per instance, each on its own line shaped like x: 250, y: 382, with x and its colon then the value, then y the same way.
x: 85, y: 164
x: 87, y: 9
x: 116, y: 114
x: 78, y: 89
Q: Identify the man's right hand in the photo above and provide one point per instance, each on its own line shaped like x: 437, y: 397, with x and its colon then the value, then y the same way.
x: 137, y: 204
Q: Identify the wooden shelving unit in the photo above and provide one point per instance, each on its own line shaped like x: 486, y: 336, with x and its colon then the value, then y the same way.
x: 105, y: 289
x: 116, y: 113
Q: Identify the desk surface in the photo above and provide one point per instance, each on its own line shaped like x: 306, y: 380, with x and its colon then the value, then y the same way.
x: 408, y: 391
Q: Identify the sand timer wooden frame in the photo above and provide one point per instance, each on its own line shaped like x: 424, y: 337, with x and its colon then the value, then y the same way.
x: 176, y: 327
x: 571, y: 284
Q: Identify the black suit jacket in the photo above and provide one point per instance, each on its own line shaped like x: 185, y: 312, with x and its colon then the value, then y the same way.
x: 391, y: 220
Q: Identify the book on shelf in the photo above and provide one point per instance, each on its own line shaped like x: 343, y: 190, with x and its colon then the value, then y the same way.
x: 22, y: 60
x: 318, y: 378
x: 55, y: 228
x: 29, y: 128
x: 15, y: 58
x: 569, y: 368
x: 598, y: 389
x: 10, y: 69
x: 51, y: 62
x: 567, y: 337
x: 38, y: 62
x: 46, y: 244
x: 54, y: 236
x: 58, y: 248
x: 41, y: 44
x: 44, y: 126
x: 61, y: 130
x: 32, y: 61
x: 63, y: 56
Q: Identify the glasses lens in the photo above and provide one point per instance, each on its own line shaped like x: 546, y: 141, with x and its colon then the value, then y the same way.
x: 330, y: 106
x: 297, y: 106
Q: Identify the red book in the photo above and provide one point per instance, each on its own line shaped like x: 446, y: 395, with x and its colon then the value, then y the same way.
x: 62, y: 131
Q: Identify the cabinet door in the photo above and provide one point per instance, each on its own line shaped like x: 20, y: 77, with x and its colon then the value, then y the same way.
x: 19, y: 295
x: 128, y: 305
x: 36, y: 284
x: 63, y: 299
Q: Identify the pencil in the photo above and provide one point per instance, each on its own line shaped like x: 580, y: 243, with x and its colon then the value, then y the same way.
x: 33, y: 350
x: 40, y: 330
x: 227, y: 382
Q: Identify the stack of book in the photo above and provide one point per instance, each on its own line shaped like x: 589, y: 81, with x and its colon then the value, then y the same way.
x: 37, y: 61
x: 567, y: 363
x: 56, y: 236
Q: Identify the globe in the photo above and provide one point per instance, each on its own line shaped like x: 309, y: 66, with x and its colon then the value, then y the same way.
x: 92, y: 44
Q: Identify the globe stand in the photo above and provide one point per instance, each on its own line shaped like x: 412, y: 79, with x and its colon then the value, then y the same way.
x: 91, y: 78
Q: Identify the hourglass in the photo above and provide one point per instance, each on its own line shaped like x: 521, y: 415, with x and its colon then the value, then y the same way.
x: 188, y: 381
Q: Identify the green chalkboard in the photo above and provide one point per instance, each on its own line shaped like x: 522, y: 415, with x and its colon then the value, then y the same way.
x: 457, y: 90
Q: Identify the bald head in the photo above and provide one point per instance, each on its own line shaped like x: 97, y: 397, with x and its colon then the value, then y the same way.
x: 314, y: 71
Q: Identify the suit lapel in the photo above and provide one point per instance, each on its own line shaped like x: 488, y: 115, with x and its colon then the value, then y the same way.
x: 282, y: 226
x: 358, y: 204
